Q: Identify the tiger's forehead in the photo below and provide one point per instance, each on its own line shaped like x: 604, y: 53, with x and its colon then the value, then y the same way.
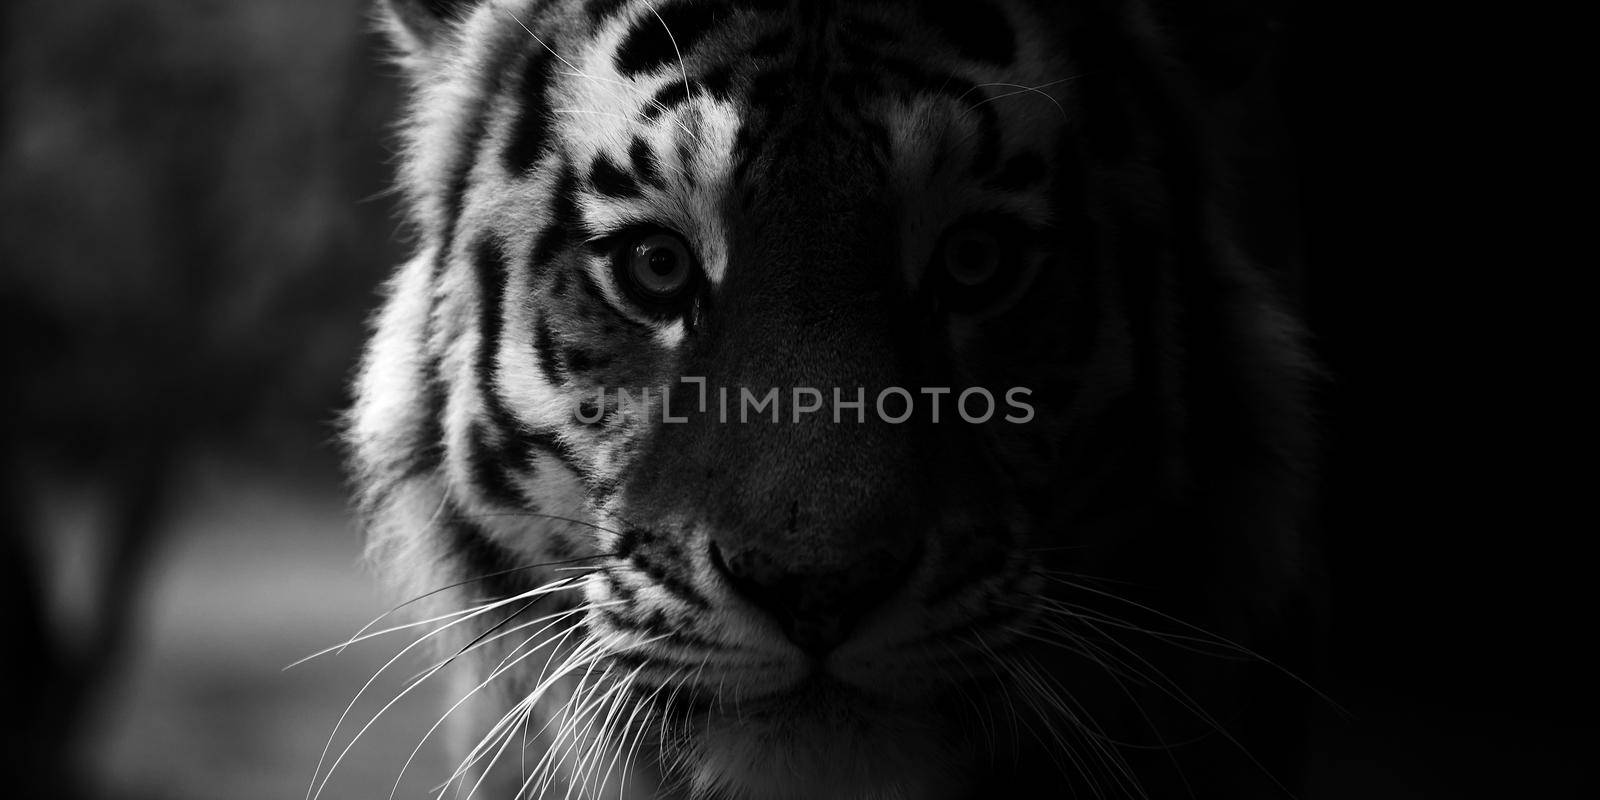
x: 663, y: 111
x: 904, y: 69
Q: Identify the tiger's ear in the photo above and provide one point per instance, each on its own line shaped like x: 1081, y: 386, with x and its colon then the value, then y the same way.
x: 422, y: 28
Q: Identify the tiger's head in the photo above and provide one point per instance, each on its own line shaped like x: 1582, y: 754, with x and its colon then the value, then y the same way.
x: 927, y: 328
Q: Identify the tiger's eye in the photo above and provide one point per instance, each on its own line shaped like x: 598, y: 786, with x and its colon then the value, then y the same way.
x: 979, y: 264
x: 659, y: 265
x: 972, y: 256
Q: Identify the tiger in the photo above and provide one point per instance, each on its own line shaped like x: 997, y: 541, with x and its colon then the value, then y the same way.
x: 626, y: 212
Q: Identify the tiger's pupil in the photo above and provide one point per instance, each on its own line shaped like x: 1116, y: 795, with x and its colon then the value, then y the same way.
x: 663, y: 262
x: 657, y: 266
x: 972, y: 258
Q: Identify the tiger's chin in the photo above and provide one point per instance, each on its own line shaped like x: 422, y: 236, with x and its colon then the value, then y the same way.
x: 823, y: 741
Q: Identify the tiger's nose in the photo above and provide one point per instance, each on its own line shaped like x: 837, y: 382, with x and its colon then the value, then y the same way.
x: 817, y: 607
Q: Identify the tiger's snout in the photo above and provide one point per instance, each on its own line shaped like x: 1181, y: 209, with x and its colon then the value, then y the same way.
x: 817, y: 605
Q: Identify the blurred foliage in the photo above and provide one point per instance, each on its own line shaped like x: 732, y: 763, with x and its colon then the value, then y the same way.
x: 192, y: 226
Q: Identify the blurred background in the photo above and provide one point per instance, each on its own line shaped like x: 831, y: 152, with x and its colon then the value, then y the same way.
x: 195, y: 221
x: 195, y: 226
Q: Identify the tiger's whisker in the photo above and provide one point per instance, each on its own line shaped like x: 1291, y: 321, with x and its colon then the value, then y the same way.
x: 555, y: 618
x: 687, y: 91
x: 523, y: 514
x: 590, y: 765
x: 361, y: 635
x: 338, y: 648
x: 505, y: 664
x: 1111, y: 758
x: 1215, y: 637
x: 577, y: 736
x: 578, y: 708
x: 609, y: 733
x: 1175, y: 691
x: 1038, y: 90
x: 482, y: 641
x: 311, y: 793
x: 541, y: 42
x: 1062, y: 743
x: 646, y: 705
x: 584, y: 715
x: 1193, y: 644
x: 582, y: 657
x: 485, y: 751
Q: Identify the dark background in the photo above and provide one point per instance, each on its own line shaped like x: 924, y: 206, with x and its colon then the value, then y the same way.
x: 1457, y: 572
x: 195, y: 224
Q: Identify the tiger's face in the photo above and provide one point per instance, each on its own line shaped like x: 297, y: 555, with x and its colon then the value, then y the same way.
x: 861, y: 269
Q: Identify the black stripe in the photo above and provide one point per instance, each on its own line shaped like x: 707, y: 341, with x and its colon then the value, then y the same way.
x: 648, y: 46
x: 564, y: 224
x: 490, y: 469
x: 671, y: 96
x: 608, y: 179
x: 667, y: 578
x: 619, y: 589
x: 492, y: 274
x: 645, y: 164
x: 1021, y: 171
x: 578, y: 359
x: 597, y: 297
x: 772, y: 44
x: 474, y: 130
x: 480, y: 559
x: 978, y: 30
x: 657, y: 621
x: 546, y: 440
x: 610, y: 617
x: 754, y: 132
x: 719, y: 82
x: 654, y: 622
x: 545, y: 349
x: 461, y: 170
x: 601, y: 10
x: 628, y: 540
x: 492, y: 270
x: 685, y: 150
x: 530, y: 132
x: 424, y: 450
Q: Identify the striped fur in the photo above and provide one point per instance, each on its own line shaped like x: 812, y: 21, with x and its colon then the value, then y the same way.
x: 814, y: 154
